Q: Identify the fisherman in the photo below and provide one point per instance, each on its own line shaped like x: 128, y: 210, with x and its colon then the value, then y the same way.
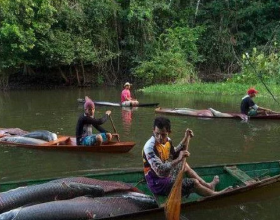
x: 87, y: 121
x: 126, y: 99
x: 248, y: 107
x: 162, y: 162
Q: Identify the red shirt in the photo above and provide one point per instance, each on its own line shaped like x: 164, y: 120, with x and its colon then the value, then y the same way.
x: 125, y: 95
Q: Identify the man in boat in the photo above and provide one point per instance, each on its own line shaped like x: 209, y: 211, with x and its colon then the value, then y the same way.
x: 126, y: 99
x: 248, y: 106
x: 85, y: 124
x: 162, y: 161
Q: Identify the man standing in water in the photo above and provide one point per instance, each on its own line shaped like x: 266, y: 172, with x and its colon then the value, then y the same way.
x: 162, y: 160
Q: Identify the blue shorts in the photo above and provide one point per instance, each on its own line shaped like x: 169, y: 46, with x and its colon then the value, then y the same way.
x: 90, y: 140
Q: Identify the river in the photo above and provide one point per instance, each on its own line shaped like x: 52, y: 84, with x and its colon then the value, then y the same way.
x: 216, y: 141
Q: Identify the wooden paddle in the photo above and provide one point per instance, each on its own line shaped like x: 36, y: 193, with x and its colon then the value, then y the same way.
x: 172, y: 206
x: 273, y: 112
x: 118, y: 137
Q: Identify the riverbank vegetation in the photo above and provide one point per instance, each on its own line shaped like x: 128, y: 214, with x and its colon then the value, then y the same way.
x: 212, y: 88
x: 97, y: 42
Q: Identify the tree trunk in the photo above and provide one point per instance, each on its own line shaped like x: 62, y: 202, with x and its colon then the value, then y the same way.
x: 83, y: 72
x: 63, y: 76
x: 77, y: 75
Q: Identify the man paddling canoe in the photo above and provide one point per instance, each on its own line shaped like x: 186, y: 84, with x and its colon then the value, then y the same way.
x: 162, y: 160
x: 87, y: 121
x: 248, y: 106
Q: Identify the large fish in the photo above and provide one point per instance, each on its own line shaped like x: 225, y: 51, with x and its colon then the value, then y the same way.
x: 22, y: 140
x: 42, y: 135
x: 45, y: 192
x: 12, y: 131
x: 83, y: 208
x: 107, y: 186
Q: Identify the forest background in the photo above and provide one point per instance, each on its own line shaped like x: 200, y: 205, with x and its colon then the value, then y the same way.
x: 97, y: 42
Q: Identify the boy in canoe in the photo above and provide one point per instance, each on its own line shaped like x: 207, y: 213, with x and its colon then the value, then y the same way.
x: 85, y: 124
x: 126, y: 99
x: 248, y: 106
x: 162, y: 161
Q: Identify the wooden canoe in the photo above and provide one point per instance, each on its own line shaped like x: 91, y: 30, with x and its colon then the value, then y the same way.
x: 211, y: 113
x: 68, y: 143
x: 242, y: 177
x: 116, y: 104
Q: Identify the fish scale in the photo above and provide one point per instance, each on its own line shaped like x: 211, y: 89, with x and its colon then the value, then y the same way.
x: 107, y: 186
x: 45, y: 192
x: 81, y: 208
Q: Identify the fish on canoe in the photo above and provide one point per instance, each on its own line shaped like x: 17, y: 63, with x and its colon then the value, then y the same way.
x: 84, y: 208
x: 211, y: 113
x: 117, y: 104
x: 242, y: 177
x: 45, y: 192
x: 12, y: 131
x: 61, y: 142
x: 61, y: 189
x: 66, y: 143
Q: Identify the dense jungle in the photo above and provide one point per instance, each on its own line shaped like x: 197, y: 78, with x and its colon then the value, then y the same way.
x: 53, y: 43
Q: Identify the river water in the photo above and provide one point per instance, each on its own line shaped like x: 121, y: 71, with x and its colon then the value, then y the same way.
x: 216, y: 141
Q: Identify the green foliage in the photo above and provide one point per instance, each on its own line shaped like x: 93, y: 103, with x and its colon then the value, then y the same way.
x: 58, y: 49
x: 23, y: 22
x: 154, y: 40
x: 166, y: 67
x: 259, y: 65
x: 234, y: 27
x: 174, y: 55
x: 210, y: 88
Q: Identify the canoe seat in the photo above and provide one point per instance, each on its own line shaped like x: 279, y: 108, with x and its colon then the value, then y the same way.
x: 57, y: 141
x: 239, y: 174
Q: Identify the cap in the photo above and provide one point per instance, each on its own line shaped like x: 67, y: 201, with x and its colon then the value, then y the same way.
x: 127, y: 84
x: 252, y: 91
x: 88, y: 103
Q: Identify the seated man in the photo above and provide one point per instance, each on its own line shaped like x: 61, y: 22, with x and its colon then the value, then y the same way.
x: 86, y: 122
x: 126, y: 99
x: 248, y: 107
x: 162, y: 160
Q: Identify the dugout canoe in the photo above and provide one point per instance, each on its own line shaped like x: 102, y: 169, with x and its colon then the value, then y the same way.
x: 68, y: 143
x: 116, y: 104
x: 241, y: 176
x: 211, y: 113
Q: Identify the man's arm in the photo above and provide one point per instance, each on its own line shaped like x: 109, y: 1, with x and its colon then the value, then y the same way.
x: 264, y: 109
x: 183, y: 142
x: 98, y: 122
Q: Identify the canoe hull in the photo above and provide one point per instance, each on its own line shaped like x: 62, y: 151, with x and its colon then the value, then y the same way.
x: 205, y: 113
x: 116, y: 104
x: 70, y: 145
x: 249, y: 176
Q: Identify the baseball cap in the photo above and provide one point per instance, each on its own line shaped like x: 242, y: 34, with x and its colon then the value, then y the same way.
x: 252, y: 91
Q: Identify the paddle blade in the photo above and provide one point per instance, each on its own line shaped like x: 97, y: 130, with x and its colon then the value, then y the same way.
x: 173, y: 205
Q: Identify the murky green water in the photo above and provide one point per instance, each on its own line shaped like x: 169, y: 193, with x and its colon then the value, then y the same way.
x: 216, y: 141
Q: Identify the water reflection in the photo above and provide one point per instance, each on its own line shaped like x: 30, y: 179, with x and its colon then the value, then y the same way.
x: 127, y: 119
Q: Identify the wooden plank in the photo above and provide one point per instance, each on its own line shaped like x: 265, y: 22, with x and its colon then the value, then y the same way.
x: 57, y: 141
x: 239, y: 174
